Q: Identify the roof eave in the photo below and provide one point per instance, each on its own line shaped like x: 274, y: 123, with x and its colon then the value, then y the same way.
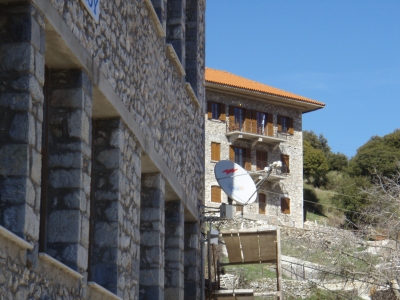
x: 303, y: 106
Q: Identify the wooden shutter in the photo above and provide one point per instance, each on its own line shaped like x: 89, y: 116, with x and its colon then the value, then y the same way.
x: 215, y: 151
x: 209, y: 109
x: 254, y: 121
x: 270, y: 126
x: 285, y: 205
x: 239, y: 207
x: 215, y: 194
x: 262, y: 203
x: 223, y: 113
x: 247, y: 159
x: 285, y: 163
x: 231, y: 118
x: 231, y: 154
x: 247, y: 122
x: 261, y: 157
x: 279, y: 123
x: 290, y: 130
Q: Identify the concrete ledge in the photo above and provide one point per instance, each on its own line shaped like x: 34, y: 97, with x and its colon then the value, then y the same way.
x: 47, y: 258
x: 15, y: 239
x: 191, y: 93
x: 153, y: 15
x: 106, y: 294
x: 174, y: 57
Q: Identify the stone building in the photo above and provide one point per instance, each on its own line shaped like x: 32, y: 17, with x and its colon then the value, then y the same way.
x: 100, y: 181
x: 254, y: 125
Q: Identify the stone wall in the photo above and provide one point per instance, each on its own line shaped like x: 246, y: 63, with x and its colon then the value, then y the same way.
x: 292, y: 186
x: 128, y: 51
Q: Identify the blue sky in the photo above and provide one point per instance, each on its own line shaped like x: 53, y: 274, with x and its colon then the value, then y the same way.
x: 345, y: 53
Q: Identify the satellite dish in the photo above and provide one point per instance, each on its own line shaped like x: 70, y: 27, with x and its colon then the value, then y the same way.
x: 235, y: 182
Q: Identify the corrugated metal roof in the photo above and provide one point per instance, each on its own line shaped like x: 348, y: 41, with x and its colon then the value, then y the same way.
x: 232, y: 80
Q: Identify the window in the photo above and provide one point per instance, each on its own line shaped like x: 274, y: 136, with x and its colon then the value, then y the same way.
x: 261, y: 122
x: 285, y: 125
x: 285, y: 205
x: 252, y: 121
x: 236, y: 118
x: 215, y: 194
x: 239, y: 207
x: 261, y: 160
x: 216, y: 111
x: 215, y: 151
x: 262, y: 203
x: 285, y: 164
x: 241, y: 156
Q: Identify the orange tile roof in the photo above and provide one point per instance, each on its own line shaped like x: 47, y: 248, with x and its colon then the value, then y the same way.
x: 229, y: 79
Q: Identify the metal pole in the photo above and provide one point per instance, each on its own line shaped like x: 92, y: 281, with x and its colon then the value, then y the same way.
x: 209, y: 261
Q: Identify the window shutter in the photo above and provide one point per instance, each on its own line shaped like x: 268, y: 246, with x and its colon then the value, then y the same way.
x: 285, y: 205
x: 247, y: 123
x: 215, y: 194
x: 223, y: 113
x: 247, y: 159
x: 254, y: 122
x: 215, y: 151
x: 231, y: 118
x: 285, y: 163
x: 239, y: 207
x: 261, y: 157
x: 291, y: 130
x: 270, y: 126
x: 231, y: 154
x: 209, y: 110
x: 262, y: 203
x: 279, y: 123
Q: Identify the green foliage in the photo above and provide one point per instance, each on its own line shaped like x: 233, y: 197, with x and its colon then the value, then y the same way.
x: 337, y: 161
x: 317, y: 142
x: 379, y: 154
x: 349, y: 196
x: 315, y: 165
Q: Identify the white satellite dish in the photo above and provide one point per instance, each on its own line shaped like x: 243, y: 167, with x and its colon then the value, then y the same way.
x: 235, y: 182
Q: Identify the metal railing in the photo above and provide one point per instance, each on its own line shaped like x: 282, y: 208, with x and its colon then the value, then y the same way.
x: 249, y: 128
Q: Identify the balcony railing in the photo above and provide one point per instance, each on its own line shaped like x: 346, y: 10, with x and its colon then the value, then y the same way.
x: 247, y: 127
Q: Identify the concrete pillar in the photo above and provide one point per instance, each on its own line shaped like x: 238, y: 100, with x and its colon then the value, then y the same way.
x: 174, y: 247
x: 192, y: 261
x: 22, y: 46
x: 69, y: 167
x: 152, y: 232
x: 115, y: 238
x: 192, y: 41
x: 176, y: 14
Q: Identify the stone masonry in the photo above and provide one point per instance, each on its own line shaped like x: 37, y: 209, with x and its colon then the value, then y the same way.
x: 152, y: 236
x: 115, y: 208
x: 174, y: 251
x: 69, y: 168
x: 101, y: 129
x: 21, y: 116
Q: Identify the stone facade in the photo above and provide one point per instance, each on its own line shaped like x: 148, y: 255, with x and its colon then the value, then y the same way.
x: 91, y: 112
x: 290, y: 144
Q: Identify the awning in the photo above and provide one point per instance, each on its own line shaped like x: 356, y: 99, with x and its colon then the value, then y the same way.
x: 233, y: 295
x: 251, y: 245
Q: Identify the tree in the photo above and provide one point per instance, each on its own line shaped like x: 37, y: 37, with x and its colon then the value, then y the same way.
x: 379, y: 153
x: 315, y: 166
x: 337, y: 161
x: 317, y: 142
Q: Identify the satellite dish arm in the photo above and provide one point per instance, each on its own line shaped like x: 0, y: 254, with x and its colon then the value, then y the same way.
x: 269, y: 169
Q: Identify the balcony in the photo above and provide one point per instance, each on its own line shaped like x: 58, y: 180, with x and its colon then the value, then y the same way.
x: 250, y: 131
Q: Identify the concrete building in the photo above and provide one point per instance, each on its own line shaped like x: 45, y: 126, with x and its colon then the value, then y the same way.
x: 254, y: 125
x: 100, y: 182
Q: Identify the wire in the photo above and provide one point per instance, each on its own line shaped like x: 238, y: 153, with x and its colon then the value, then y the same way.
x: 340, y: 275
x: 331, y: 206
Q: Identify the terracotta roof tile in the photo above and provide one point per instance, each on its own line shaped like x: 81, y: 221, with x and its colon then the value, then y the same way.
x: 229, y: 79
